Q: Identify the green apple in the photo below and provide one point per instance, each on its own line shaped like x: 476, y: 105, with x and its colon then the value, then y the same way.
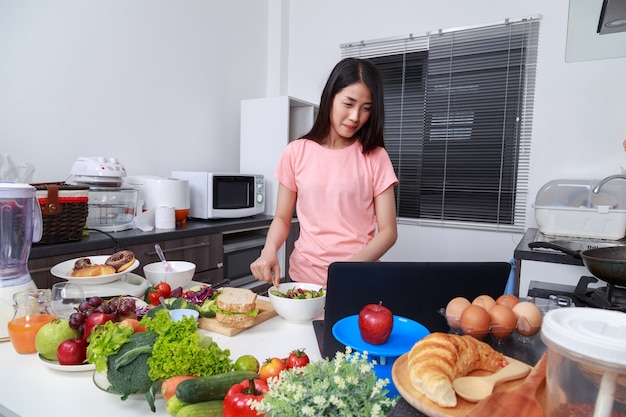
x: 51, y: 335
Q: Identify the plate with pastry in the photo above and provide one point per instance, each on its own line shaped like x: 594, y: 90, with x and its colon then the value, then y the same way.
x: 423, y: 376
x: 98, y: 269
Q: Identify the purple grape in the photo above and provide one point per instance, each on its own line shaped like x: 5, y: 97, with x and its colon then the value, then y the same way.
x: 84, y: 306
x: 76, y: 319
x: 95, y: 301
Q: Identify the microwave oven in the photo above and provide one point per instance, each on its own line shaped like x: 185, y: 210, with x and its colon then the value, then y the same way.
x: 214, y: 195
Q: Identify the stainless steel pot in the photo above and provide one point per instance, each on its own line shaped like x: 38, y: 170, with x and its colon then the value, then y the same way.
x: 605, y: 263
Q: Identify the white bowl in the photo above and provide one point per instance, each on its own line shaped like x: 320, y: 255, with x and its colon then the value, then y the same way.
x: 178, y: 314
x: 180, y: 277
x: 297, y: 310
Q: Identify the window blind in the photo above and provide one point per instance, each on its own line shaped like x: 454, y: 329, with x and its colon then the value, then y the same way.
x: 458, y: 121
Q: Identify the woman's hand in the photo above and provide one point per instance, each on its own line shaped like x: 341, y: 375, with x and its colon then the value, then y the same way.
x: 266, y: 268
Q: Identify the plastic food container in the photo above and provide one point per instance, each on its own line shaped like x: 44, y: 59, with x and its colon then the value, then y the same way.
x: 111, y: 208
x: 586, y: 373
x: 570, y: 208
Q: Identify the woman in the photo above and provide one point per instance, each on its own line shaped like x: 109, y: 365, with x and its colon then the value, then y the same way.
x: 340, y: 180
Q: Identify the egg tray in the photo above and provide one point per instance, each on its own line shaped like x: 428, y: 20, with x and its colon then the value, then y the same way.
x: 503, y: 333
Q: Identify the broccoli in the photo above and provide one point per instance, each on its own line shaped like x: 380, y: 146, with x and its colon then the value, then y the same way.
x: 127, y: 370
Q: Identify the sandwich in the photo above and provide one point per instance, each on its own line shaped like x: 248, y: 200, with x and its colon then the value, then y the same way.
x: 236, y: 308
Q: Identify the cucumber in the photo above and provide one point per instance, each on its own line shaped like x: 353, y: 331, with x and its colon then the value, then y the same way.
x: 173, y: 405
x: 214, y: 387
x: 204, y: 409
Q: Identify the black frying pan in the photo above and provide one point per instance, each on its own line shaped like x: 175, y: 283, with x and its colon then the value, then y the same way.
x: 605, y: 263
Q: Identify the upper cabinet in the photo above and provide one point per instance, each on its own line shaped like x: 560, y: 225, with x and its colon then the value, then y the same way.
x: 267, y: 125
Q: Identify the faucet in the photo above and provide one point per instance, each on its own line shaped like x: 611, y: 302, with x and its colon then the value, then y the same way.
x: 603, y: 181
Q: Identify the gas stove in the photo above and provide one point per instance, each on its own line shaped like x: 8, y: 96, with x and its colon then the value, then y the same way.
x: 609, y: 297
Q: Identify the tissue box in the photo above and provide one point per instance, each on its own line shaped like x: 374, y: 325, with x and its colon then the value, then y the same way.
x: 570, y: 208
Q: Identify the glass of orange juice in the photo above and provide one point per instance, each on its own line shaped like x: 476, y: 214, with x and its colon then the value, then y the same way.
x: 32, y: 312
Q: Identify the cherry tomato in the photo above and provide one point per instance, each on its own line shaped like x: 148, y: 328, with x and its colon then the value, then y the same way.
x: 164, y: 288
x: 153, y: 298
x: 297, y: 359
x: 271, y: 368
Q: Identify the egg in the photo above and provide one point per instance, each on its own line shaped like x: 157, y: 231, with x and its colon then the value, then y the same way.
x: 503, y: 321
x: 528, y: 318
x: 475, y: 321
x: 508, y: 300
x: 484, y: 301
x: 454, y: 309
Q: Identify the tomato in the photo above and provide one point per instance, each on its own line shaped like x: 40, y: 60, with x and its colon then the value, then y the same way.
x: 297, y: 359
x: 153, y: 298
x: 271, y: 368
x: 164, y: 288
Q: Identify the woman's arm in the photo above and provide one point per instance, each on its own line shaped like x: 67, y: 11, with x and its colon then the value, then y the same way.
x: 385, y: 208
x: 267, y: 267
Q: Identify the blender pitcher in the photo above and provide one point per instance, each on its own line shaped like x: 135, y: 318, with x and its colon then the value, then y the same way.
x: 20, y: 225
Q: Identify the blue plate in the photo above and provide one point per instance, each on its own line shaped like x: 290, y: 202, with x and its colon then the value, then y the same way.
x: 404, y: 335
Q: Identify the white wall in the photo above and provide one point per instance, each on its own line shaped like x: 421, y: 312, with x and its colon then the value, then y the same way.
x: 157, y: 83
x: 580, y: 111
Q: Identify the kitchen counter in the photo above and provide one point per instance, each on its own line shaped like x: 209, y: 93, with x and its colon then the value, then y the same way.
x: 97, y: 240
x: 30, y: 389
x: 33, y: 389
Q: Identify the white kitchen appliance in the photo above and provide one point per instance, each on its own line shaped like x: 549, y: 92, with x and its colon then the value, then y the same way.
x: 155, y: 191
x: 112, y: 206
x: 20, y: 225
x: 572, y: 208
x: 216, y: 195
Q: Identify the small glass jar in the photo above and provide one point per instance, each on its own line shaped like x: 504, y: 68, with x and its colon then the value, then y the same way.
x: 32, y: 312
x: 586, y: 374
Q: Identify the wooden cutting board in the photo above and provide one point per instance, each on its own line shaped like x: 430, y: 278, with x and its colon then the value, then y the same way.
x: 266, y: 311
x: 400, y: 376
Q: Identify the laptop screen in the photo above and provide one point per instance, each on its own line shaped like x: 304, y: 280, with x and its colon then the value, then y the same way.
x: 415, y: 290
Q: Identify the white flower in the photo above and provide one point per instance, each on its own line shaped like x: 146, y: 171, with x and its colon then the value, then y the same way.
x: 344, y: 386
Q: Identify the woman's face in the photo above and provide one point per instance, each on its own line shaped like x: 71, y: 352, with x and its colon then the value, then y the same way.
x: 351, y: 109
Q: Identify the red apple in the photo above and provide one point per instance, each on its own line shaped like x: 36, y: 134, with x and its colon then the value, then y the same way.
x: 95, y: 319
x: 375, y: 323
x: 72, y: 351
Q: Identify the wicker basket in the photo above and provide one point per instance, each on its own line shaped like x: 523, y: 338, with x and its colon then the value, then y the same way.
x: 64, y: 210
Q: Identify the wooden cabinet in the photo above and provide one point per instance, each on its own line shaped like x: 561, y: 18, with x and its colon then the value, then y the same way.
x: 205, y: 251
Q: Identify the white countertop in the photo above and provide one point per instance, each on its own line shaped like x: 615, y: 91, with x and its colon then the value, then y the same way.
x: 28, y: 388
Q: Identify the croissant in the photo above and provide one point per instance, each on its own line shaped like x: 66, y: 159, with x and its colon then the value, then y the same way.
x: 436, y: 360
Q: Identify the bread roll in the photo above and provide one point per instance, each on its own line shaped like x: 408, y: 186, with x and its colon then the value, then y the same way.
x: 436, y: 360
x: 93, y: 271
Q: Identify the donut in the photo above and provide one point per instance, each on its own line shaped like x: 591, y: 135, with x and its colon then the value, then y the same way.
x: 121, y: 260
x: 82, y: 263
x: 93, y: 271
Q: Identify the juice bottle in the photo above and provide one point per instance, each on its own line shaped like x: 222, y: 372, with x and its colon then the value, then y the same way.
x: 32, y: 312
x: 23, y: 330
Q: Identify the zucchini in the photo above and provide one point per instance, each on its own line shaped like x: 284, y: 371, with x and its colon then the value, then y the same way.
x: 214, y: 387
x: 204, y: 409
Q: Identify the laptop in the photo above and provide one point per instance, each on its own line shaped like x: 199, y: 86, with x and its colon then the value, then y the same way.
x: 415, y: 290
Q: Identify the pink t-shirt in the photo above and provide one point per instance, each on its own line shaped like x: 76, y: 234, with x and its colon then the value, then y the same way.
x: 335, y: 203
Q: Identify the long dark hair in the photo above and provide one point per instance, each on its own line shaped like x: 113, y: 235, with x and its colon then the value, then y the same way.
x: 349, y: 71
